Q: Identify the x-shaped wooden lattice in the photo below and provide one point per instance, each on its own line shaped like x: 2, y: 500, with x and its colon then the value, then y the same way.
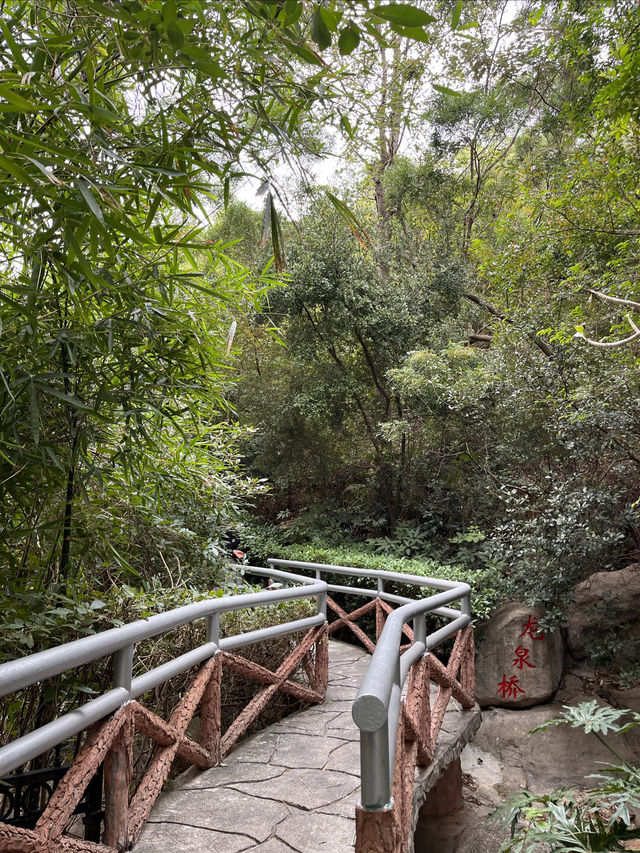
x: 111, y: 743
x: 348, y: 620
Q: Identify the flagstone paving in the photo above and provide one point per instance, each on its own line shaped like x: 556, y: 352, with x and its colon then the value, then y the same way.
x: 293, y: 786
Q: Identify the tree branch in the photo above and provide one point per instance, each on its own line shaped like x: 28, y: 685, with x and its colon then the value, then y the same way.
x: 628, y: 303
x: 536, y: 339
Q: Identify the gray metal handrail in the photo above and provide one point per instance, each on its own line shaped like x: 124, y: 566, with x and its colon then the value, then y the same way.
x: 376, y: 708
x: 17, y: 674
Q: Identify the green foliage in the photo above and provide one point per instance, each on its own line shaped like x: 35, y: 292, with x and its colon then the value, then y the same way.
x: 30, y: 623
x: 262, y: 543
x: 121, y: 125
x: 112, y: 338
x: 443, y: 381
x: 409, y: 541
x: 395, y: 398
x: 593, y: 718
x: 571, y: 533
x: 335, y: 418
x: 599, y: 819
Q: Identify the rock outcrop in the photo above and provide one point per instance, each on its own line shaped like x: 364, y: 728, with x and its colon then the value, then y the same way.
x: 606, y: 609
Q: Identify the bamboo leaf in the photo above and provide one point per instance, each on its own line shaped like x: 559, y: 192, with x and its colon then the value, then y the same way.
x: 266, y: 220
x: 18, y: 58
x: 445, y: 90
x: 35, y: 414
x: 15, y: 101
x: 403, y: 14
x: 319, y: 30
x: 455, y: 17
x: 88, y: 196
x: 176, y: 36
x: 303, y: 51
x: 276, y: 239
x: 231, y: 335
x: 349, y: 217
x: 349, y: 39
x: 45, y: 170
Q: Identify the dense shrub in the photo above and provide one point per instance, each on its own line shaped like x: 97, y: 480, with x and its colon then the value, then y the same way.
x: 485, y: 581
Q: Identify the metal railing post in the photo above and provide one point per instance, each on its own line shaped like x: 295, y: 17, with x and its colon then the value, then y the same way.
x: 465, y: 605
x: 375, y: 768
x: 123, y: 668
x: 118, y: 763
x: 213, y: 628
x: 322, y: 604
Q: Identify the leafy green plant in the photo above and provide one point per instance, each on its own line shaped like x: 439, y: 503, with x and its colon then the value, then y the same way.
x: 410, y: 540
x: 30, y: 623
x: 484, y: 581
x: 599, y: 819
x: 324, y: 520
x: 554, y: 536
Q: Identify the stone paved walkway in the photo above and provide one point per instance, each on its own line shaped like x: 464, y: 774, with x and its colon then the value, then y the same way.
x: 293, y: 786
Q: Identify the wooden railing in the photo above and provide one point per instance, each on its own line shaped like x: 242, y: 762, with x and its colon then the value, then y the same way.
x: 420, y: 721
x: 399, y: 733
x: 108, y: 748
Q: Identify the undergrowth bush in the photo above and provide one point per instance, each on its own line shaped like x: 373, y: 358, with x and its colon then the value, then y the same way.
x: 555, y: 540
x: 599, y: 819
x: 485, y: 580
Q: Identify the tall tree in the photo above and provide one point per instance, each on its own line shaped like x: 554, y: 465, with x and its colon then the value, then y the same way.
x: 120, y: 124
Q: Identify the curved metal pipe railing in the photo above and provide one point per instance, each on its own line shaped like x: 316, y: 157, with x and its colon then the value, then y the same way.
x: 376, y: 708
x: 119, y: 642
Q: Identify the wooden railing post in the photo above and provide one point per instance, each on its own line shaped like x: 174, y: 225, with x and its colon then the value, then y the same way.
x: 418, y: 707
x: 321, y: 675
x: 118, y: 770
x: 381, y: 618
x: 210, y: 714
x: 468, y: 665
x: 377, y: 831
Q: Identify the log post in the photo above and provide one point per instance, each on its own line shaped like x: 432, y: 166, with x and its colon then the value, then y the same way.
x: 377, y: 831
x: 210, y: 713
x: 381, y: 617
x: 467, y: 665
x: 418, y: 704
x: 322, y: 662
x: 118, y: 770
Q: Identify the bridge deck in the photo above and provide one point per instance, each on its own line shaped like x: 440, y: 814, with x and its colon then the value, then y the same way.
x: 293, y: 786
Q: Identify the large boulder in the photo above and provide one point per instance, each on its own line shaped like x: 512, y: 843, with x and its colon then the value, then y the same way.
x: 561, y: 755
x: 606, y: 610
x: 517, y: 665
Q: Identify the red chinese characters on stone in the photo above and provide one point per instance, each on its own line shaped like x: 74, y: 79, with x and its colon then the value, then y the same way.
x: 530, y: 629
x: 509, y: 689
x: 521, y: 658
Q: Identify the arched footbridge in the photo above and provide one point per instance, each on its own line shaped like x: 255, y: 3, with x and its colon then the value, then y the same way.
x: 386, y: 723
